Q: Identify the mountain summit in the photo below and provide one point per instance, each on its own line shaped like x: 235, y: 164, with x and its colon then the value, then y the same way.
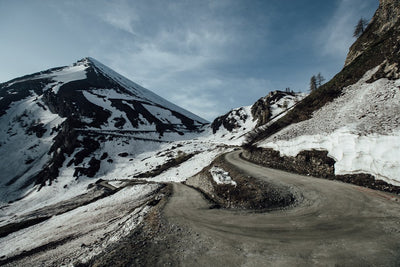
x: 82, y: 89
x: 69, y: 112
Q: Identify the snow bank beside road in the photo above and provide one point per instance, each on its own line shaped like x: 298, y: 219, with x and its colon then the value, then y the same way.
x: 378, y: 155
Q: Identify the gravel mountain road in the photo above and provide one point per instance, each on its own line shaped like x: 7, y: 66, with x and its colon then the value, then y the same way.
x: 333, y: 224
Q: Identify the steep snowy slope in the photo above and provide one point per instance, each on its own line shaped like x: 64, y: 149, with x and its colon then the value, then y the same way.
x: 75, y: 121
x: 360, y: 130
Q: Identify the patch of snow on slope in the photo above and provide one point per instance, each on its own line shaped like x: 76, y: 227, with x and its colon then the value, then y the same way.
x: 285, y: 103
x: 65, y: 75
x: 220, y: 176
x: 188, y: 168
x: 162, y: 114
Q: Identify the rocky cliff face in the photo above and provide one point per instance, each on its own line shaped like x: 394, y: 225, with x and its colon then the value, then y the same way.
x: 382, y: 35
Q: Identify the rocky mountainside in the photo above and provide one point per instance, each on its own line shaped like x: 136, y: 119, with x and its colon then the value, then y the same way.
x: 382, y: 34
x: 355, y: 117
x: 60, y: 117
x: 377, y: 46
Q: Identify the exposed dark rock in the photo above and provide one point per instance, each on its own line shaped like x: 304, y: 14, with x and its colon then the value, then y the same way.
x: 89, y: 146
x: 94, y: 166
x: 37, y: 129
x: 261, y: 111
x: 29, y: 161
x: 385, y: 20
x: 314, y: 162
x: 229, y: 120
x: 119, y: 122
x: 65, y: 142
x: 104, y: 156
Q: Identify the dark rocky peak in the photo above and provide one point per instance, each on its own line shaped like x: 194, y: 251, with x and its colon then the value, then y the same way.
x: 233, y: 119
x: 90, y: 91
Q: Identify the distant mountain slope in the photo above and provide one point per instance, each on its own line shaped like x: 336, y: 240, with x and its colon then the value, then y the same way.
x: 237, y: 122
x: 60, y: 117
x: 355, y: 117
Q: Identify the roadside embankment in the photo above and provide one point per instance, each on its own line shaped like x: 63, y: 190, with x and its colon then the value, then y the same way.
x: 228, y: 187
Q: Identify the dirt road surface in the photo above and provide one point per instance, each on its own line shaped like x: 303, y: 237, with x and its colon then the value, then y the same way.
x: 334, y: 224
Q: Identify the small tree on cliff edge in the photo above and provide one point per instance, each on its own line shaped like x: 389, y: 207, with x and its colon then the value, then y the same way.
x: 319, y: 79
x: 313, y: 83
x: 360, y: 27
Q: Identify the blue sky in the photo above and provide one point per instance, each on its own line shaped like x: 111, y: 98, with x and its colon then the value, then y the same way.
x: 207, y: 56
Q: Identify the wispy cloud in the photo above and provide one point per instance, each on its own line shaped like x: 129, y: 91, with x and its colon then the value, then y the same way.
x: 175, y: 60
x: 337, y: 36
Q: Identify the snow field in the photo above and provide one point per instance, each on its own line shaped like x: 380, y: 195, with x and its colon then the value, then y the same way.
x: 16, y: 143
x: 95, y: 225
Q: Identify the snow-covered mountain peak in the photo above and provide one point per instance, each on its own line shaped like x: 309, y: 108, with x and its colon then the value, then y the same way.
x: 65, y: 118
